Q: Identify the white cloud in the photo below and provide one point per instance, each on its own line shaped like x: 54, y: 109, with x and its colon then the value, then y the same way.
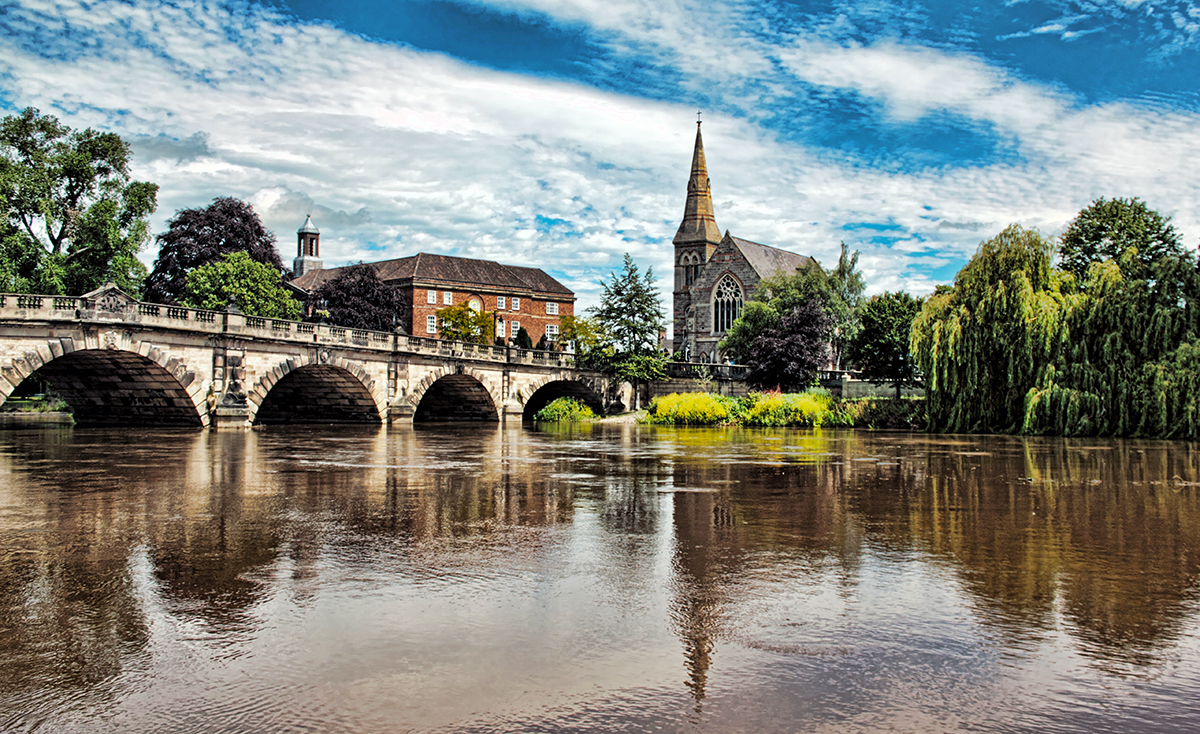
x: 395, y: 150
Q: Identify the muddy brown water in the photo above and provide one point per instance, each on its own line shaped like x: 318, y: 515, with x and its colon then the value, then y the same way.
x: 603, y: 578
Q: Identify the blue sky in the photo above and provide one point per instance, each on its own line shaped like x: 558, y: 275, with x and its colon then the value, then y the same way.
x: 557, y: 133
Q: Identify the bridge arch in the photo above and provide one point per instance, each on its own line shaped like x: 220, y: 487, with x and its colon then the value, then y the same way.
x: 299, y: 390
x: 114, y: 380
x: 547, y: 389
x: 455, y: 394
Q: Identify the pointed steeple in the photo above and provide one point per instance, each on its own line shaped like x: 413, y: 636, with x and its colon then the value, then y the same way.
x: 699, y: 224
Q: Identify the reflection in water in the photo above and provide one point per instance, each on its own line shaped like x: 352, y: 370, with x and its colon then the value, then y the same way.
x: 597, y: 577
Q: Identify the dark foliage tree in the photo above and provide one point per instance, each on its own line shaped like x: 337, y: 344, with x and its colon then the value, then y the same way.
x: 838, y: 292
x: 72, y: 215
x: 881, y: 347
x: 197, y: 237
x: 356, y: 298
x: 522, y: 339
x: 789, y: 355
x: 1108, y: 227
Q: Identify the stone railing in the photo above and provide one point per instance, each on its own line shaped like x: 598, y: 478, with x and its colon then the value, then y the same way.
x: 699, y: 370
x: 115, y: 310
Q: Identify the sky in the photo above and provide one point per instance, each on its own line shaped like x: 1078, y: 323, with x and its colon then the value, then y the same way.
x: 558, y: 133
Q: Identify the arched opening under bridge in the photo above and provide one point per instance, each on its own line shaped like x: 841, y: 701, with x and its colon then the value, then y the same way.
x: 113, y: 387
x: 456, y: 398
x: 551, y: 391
x: 318, y: 393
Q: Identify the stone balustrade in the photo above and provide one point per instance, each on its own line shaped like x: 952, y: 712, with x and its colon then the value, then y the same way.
x: 23, y: 307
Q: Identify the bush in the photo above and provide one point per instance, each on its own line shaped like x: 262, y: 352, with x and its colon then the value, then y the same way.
x: 693, y: 409
x: 565, y: 410
x: 812, y: 408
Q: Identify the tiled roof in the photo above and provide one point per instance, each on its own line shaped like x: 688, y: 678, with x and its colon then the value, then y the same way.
x: 426, y: 268
x: 767, y: 260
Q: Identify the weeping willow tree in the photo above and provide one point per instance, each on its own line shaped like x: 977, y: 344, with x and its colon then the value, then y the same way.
x: 1132, y: 364
x: 982, y: 345
x: 1019, y: 346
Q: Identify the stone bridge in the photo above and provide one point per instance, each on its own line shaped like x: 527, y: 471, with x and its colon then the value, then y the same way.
x: 121, y: 361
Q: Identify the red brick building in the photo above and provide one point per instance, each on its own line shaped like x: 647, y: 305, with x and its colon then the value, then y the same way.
x: 521, y: 297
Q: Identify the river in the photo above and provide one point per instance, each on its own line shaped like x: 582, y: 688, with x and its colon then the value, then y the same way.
x: 596, y: 578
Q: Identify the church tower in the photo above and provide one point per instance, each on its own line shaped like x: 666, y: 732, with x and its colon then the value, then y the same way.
x: 695, y: 241
x: 308, y: 246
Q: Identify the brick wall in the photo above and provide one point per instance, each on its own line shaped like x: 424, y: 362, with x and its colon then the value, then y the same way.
x: 531, y: 314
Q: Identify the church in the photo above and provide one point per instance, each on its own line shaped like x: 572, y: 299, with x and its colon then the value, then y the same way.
x: 715, y: 275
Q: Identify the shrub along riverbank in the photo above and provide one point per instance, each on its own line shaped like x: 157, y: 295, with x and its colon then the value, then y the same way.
x: 809, y: 409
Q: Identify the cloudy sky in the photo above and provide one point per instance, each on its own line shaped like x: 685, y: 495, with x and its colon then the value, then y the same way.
x: 558, y: 133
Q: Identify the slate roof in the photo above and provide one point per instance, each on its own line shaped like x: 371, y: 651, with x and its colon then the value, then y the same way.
x: 426, y: 268
x: 767, y: 260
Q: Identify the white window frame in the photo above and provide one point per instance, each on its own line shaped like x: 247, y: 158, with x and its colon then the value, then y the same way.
x: 516, y: 304
x: 431, y: 297
x: 551, y: 309
x: 499, y: 302
x: 551, y: 332
x: 515, y: 328
x: 431, y: 324
x: 447, y: 298
x: 500, y: 329
x: 475, y: 305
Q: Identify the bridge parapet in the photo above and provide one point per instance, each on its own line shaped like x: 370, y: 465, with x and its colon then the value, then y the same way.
x: 113, y: 307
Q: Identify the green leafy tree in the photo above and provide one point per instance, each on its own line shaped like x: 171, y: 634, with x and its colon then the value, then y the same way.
x: 881, y: 347
x: 846, y: 286
x: 1018, y: 346
x: 1107, y: 228
x: 198, y: 237
x: 237, y: 279
x: 593, y: 348
x: 464, y: 324
x: 71, y: 211
x: 356, y: 298
x: 757, y: 318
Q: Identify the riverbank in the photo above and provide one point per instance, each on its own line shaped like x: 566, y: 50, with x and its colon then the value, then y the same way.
x: 24, y: 419
x: 810, y: 409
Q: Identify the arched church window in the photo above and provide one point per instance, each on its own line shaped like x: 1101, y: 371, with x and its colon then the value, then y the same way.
x: 727, y: 304
x: 691, y: 267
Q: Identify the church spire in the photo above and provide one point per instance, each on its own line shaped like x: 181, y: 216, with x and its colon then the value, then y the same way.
x: 699, y: 225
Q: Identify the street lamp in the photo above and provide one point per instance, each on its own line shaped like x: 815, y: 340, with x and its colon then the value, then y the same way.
x: 497, y: 319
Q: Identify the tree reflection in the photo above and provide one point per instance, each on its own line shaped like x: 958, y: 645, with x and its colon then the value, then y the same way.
x: 1105, y: 533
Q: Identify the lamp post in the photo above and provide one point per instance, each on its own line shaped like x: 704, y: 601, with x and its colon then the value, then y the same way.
x: 497, y: 319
